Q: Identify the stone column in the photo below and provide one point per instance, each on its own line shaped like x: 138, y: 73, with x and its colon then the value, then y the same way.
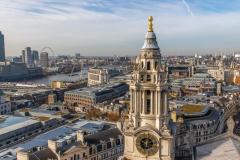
x: 133, y: 101
x: 166, y: 103
x: 136, y: 101
x: 139, y: 101
x: 152, y: 102
x: 156, y: 103
x: 131, y: 104
x: 144, y: 102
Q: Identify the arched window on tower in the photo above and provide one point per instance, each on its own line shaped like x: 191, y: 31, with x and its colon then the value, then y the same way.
x: 141, y: 77
x: 148, y: 77
x: 148, y: 92
x: 156, y: 65
x: 148, y: 106
x: 148, y: 65
x: 142, y: 64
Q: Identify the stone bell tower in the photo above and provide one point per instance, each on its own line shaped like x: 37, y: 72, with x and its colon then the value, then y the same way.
x: 147, y: 133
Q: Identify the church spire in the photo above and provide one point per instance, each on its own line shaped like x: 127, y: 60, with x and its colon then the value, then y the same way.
x: 150, y: 25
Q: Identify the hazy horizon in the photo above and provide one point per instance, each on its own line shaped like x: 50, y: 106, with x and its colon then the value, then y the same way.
x: 106, y: 28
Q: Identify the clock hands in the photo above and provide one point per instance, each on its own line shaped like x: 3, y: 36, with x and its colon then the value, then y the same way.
x: 147, y: 144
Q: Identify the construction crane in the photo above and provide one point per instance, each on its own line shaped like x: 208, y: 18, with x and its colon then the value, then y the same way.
x: 71, y: 73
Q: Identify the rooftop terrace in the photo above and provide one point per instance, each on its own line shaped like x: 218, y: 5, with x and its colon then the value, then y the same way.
x: 191, y: 108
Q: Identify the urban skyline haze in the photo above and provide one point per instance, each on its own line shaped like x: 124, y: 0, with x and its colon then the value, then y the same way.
x: 111, y: 27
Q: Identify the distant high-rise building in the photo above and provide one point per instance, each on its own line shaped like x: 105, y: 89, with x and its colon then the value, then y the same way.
x: 20, y: 58
x: 35, y: 56
x: 2, y: 48
x: 77, y: 55
x: 44, y: 59
x: 23, y: 56
x: 28, y: 56
x: 16, y: 59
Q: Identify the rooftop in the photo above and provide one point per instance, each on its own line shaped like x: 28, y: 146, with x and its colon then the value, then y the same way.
x: 59, y: 113
x: 25, y: 110
x: 192, y: 108
x: 227, y: 148
x: 39, y: 141
x: 1, y: 93
x: 11, y: 120
x: 97, y: 89
x: 103, y: 136
x: 42, y: 118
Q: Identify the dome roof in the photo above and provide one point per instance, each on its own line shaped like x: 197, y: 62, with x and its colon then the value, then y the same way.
x: 150, y: 41
x: 150, y: 35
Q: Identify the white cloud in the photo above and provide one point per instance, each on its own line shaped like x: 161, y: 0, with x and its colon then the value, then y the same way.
x: 189, y: 10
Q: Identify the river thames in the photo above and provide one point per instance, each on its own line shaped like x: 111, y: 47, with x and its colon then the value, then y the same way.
x: 62, y: 77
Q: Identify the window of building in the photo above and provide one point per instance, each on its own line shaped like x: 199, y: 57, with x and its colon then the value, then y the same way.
x: 148, y: 77
x: 83, y: 154
x: 142, y: 64
x: 90, y: 151
x: 148, y: 92
x: 108, y: 144
x: 156, y: 65
x: 148, y: 65
x: 148, y: 106
x: 117, y: 141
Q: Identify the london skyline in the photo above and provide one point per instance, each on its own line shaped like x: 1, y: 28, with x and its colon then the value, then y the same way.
x: 110, y: 27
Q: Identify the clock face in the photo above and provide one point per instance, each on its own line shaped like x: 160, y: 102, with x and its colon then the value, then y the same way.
x: 147, y: 144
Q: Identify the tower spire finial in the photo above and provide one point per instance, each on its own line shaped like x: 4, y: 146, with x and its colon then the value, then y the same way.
x: 150, y: 25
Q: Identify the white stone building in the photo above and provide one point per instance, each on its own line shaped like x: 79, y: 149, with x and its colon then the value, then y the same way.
x: 147, y: 133
x: 5, y: 107
x: 97, y: 76
x: 219, y: 74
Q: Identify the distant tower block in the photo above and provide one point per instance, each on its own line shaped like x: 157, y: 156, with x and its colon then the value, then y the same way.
x: 77, y: 55
x: 52, y: 98
x: 2, y: 48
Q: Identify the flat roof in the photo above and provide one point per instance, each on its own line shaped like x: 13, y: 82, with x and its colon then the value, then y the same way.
x: 215, y: 115
x: 39, y: 141
x: 11, y: 120
x: 16, y: 126
x: 97, y: 89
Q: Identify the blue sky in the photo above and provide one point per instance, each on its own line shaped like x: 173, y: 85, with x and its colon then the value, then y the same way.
x: 108, y: 27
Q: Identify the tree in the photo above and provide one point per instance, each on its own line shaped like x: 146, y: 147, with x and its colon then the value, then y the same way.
x: 113, y: 116
x: 93, y: 113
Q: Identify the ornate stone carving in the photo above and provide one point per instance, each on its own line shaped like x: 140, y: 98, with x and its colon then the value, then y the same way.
x: 165, y: 130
